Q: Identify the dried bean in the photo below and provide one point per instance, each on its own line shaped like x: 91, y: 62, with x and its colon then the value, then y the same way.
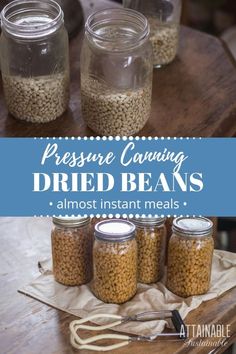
x: 164, y: 38
x: 114, y: 113
x: 37, y: 99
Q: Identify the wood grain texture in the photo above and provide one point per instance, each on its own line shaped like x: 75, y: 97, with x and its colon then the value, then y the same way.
x: 193, y: 96
x: 30, y: 327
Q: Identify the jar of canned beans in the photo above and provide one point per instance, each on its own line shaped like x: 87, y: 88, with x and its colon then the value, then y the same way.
x: 115, y: 261
x: 72, y: 247
x: 190, y: 255
x: 151, y: 239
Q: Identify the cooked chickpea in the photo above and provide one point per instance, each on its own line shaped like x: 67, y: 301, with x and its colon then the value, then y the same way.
x: 151, y: 253
x: 189, y: 264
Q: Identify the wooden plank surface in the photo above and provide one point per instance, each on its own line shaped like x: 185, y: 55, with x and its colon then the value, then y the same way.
x: 194, y: 96
x: 30, y: 327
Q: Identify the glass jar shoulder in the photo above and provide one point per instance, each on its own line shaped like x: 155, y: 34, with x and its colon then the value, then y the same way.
x: 34, y: 55
x: 187, y: 247
x: 72, y: 232
x: 114, y: 248
x: 151, y: 230
x: 93, y: 57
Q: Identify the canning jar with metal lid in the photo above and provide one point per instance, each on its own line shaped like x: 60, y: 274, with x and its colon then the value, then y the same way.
x: 72, y: 249
x: 164, y: 19
x: 34, y: 56
x: 151, y: 240
x: 116, y: 72
x: 115, y: 261
x: 190, y: 255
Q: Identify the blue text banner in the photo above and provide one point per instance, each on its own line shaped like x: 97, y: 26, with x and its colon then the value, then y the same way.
x: 106, y: 176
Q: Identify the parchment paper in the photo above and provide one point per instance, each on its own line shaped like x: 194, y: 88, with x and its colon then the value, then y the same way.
x: 81, y: 302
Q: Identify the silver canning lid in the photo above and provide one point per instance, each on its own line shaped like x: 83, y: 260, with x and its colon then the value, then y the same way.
x: 148, y: 221
x: 70, y: 221
x: 114, y: 230
x: 192, y: 226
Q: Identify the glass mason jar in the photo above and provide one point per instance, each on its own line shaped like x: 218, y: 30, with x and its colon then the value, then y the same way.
x: 34, y: 60
x: 190, y: 255
x: 168, y: 224
x: 116, y: 72
x: 151, y: 240
x: 164, y: 20
x: 115, y: 261
x: 72, y: 249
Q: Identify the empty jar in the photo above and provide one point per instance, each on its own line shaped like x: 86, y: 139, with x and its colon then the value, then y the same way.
x: 72, y: 247
x: 34, y: 60
x: 151, y: 240
x: 116, y: 72
x: 190, y: 254
x: 115, y: 261
x: 164, y: 20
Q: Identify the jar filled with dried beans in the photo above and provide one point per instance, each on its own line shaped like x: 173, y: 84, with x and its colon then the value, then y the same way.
x: 34, y: 56
x: 115, y: 261
x: 151, y: 240
x: 72, y: 248
x: 116, y: 72
x: 164, y: 19
x: 190, y: 255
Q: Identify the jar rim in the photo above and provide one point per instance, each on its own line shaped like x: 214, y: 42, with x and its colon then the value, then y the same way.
x: 196, y: 226
x: 108, y: 230
x: 105, y: 17
x: 71, y: 221
x: 31, y: 30
x: 148, y: 221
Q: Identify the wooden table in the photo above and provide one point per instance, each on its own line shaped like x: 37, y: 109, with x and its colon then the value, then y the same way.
x: 30, y: 327
x: 194, y: 96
